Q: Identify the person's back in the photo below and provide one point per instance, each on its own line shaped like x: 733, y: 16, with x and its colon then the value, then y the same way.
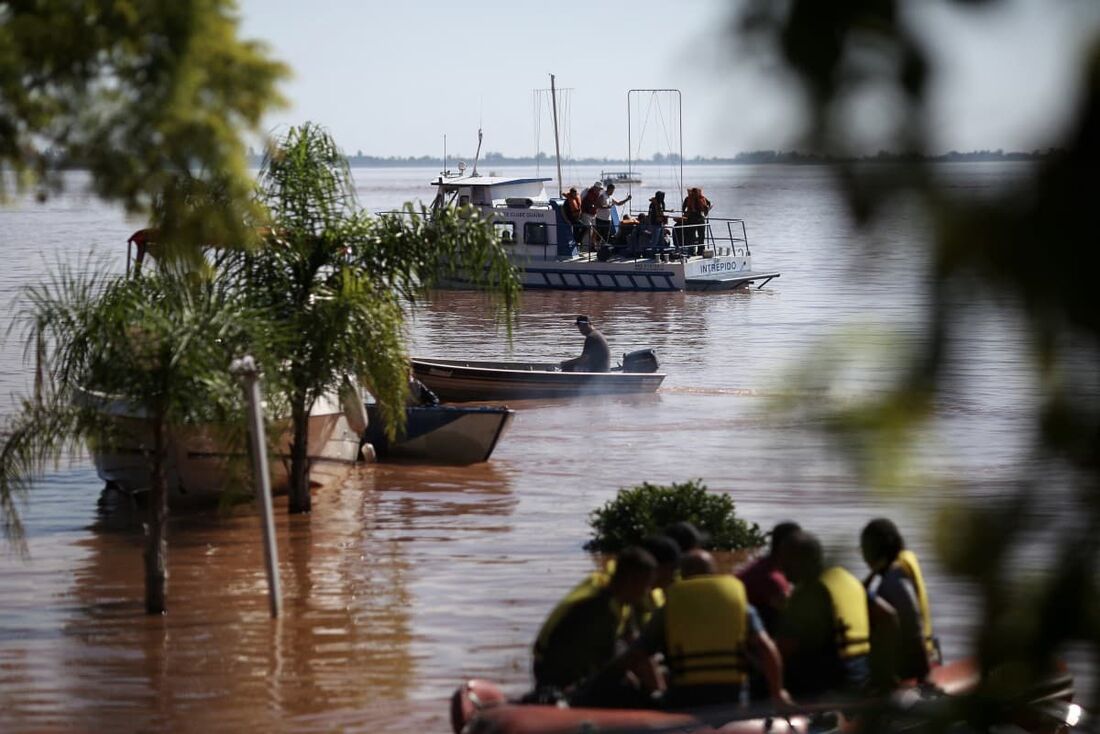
x: 706, y: 628
x: 579, y: 636
x: 825, y: 631
x: 766, y: 585
x: 595, y: 356
x: 706, y: 631
x: 596, y: 353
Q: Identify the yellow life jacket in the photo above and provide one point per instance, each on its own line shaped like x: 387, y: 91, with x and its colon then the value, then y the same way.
x: 907, y: 561
x: 591, y: 585
x: 705, y: 630
x: 850, y: 614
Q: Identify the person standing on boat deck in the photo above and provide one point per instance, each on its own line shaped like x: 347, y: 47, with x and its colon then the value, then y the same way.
x: 582, y: 632
x: 603, y: 212
x: 590, y: 204
x: 696, y: 208
x: 657, y: 218
x: 595, y: 357
x: 896, y: 577
x: 572, y: 212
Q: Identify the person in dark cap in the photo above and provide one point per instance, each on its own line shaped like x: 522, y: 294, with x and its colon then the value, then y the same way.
x: 595, y: 357
x: 686, y: 535
x: 657, y: 218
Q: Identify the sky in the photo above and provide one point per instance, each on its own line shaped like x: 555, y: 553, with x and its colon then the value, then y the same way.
x: 393, y: 77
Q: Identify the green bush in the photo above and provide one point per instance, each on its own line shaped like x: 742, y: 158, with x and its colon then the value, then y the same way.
x: 649, y: 508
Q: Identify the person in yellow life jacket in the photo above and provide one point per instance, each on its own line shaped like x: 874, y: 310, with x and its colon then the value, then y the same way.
x: 824, y: 634
x: 707, y: 633
x: 897, y: 579
x: 580, y: 635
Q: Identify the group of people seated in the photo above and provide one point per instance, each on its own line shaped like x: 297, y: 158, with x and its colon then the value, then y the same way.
x: 589, y: 214
x: 661, y: 626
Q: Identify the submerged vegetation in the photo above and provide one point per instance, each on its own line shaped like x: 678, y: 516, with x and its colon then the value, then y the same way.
x: 647, y: 509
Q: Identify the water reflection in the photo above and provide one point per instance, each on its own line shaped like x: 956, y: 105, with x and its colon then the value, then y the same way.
x: 460, y: 324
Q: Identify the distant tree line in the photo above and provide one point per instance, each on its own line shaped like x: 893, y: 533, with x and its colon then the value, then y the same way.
x: 756, y: 157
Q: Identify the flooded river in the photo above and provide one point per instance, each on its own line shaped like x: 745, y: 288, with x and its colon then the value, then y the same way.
x: 405, y: 580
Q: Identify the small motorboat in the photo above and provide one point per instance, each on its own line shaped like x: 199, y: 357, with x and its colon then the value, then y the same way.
x: 481, y: 706
x: 443, y: 434
x: 462, y: 380
x: 620, y: 178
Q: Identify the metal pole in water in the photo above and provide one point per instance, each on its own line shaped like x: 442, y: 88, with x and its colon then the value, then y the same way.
x: 557, y: 146
x: 245, y: 368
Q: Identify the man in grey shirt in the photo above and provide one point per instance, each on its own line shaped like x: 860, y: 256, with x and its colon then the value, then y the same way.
x: 595, y: 357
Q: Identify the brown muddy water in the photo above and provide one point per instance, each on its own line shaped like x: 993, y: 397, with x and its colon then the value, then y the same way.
x: 407, y: 579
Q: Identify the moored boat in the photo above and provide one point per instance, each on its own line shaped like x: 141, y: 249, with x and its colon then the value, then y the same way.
x: 204, y: 462
x: 637, y: 257
x: 446, y: 434
x: 461, y: 380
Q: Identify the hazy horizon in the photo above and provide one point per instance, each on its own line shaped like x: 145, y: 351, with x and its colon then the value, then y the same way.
x: 393, y: 79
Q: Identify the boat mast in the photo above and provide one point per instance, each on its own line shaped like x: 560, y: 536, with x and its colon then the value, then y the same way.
x: 444, y: 154
x: 557, y: 146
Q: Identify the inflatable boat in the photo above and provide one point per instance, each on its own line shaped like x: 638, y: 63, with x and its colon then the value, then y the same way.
x: 480, y: 707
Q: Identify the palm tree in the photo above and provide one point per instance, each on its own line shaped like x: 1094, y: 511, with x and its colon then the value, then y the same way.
x: 333, y: 281
x: 160, y: 343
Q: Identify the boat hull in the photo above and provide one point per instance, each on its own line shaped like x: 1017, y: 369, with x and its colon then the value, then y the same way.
x: 443, y: 434
x: 455, y: 380
x: 644, y: 274
x: 206, y: 462
x: 480, y: 705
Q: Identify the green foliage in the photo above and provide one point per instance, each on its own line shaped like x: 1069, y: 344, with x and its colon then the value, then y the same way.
x: 649, y: 508
x: 159, y: 344
x: 150, y: 96
x: 333, y: 279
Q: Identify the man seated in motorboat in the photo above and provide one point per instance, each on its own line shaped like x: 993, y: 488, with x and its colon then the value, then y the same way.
x: 595, y: 357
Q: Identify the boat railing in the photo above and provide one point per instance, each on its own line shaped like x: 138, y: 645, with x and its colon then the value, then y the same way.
x: 722, y: 236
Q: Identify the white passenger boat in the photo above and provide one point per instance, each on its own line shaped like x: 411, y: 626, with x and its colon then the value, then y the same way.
x: 638, y: 257
x: 634, y: 256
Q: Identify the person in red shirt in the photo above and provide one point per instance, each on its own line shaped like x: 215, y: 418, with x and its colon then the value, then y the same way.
x: 765, y: 584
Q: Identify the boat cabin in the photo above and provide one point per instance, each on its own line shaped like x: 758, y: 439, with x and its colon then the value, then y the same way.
x: 524, y: 216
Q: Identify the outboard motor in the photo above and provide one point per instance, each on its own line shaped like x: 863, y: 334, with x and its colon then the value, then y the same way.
x: 640, y: 360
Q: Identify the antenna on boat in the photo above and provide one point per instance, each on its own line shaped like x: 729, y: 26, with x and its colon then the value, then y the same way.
x: 478, y: 154
x: 444, y: 154
x: 557, y: 146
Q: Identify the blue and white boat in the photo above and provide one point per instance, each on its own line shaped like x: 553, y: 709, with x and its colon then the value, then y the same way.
x: 637, y: 257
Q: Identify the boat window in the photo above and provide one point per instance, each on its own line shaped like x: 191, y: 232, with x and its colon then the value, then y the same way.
x: 506, y: 232
x: 535, y: 233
